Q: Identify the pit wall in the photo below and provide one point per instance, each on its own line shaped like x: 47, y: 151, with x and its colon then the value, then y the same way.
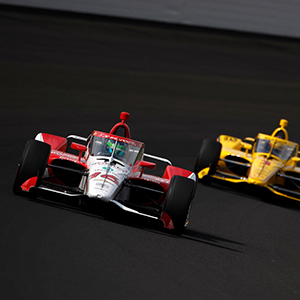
x: 273, y: 17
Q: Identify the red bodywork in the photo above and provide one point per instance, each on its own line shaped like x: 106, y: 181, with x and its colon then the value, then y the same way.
x: 58, y: 153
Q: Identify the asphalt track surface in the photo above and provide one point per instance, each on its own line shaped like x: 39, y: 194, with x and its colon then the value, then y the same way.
x: 69, y: 74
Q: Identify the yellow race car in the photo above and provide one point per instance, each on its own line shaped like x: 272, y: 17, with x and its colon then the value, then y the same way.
x: 268, y: 161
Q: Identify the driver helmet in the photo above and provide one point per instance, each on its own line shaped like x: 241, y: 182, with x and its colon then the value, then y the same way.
x: 120, y: 149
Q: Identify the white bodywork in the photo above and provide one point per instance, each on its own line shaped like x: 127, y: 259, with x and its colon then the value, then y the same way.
x: 105, y: 178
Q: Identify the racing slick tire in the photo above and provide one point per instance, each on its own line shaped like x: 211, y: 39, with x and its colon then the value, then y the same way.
x: 33, y: 163
x: 179, y: 200
x: 208, y: 156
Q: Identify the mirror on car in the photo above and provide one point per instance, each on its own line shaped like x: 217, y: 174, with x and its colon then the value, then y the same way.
x: 78, y: 147
x: 147, y: 164
x: 81, y: 148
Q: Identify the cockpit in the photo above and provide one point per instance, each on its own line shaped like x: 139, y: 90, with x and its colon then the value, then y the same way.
x: 276, y: 147
x: 118, y: 148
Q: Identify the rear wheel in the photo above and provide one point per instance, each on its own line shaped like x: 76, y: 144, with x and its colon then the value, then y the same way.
x: 208, y: 156
x: 33, y: 163
x: 178, y: 201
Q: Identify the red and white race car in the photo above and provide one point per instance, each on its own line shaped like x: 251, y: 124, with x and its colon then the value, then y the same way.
x: 107, y: 168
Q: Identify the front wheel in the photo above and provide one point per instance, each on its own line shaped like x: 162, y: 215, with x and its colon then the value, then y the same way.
x: 208, y: 156
x: 33, y: 163
x: 178, y: 201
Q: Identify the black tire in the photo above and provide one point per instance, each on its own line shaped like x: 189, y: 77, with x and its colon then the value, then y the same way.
x: 178, y: 201
x: 208, y: 156
x: 33, y: 163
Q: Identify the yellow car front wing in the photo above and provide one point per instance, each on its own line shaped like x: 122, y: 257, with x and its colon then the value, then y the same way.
x: 236, y: 179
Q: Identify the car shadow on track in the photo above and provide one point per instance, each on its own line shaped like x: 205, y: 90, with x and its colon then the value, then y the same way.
x: 212, y: 240
x: 111, y: 213
x: 256, y: 193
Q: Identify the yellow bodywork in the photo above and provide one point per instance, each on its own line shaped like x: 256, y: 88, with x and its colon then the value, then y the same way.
x: 267, y: 162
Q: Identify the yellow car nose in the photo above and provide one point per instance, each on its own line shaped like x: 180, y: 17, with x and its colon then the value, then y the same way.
x: 255, y: 182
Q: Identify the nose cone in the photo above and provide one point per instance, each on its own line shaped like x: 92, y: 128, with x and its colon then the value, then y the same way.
x: 101, y: 189
x: 104, y: 181
x: 256, y: 181
x: 262, y: 170
x: 103, y: 197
